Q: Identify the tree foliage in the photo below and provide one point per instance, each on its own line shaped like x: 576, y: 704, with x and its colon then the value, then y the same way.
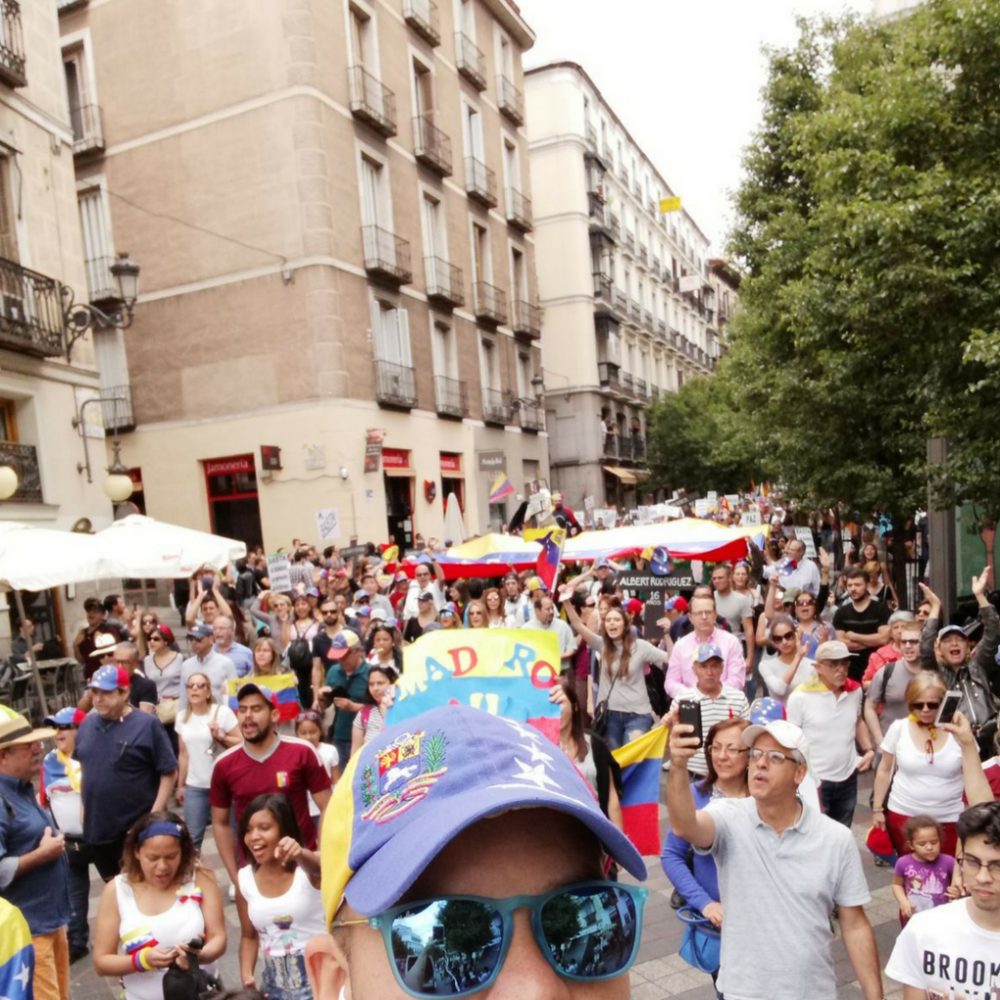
x: 868, y: 228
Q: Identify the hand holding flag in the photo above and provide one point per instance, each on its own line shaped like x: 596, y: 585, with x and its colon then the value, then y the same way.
x: 547, y: 567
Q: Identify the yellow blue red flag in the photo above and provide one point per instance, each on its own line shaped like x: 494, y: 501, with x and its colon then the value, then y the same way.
x: 501, y: 488
x: 283, y: 686
x: 17, y: 954
x: 547, y: 567
x: 641, y: 762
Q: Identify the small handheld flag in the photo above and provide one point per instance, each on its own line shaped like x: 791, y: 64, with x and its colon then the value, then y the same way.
x: 501, y: 489
x: 640, y: 762
x: 547, y: 566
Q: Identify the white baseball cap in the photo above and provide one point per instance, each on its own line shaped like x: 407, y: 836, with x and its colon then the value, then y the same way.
x: 786, y: 733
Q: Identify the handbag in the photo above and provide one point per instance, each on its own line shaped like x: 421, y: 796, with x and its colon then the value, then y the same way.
x: 192, y: 983
x: 599, y: 724
x: 702, y: 943
x: 166, y: 711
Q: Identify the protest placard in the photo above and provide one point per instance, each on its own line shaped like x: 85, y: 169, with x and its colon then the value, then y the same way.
x: 805, y: 536
x: 328, y: 524
x: 279, y: 573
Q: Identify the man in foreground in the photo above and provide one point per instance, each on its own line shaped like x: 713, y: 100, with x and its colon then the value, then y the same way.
x: 449, y: 833
x: 782, y: 870
x: 954, y: 950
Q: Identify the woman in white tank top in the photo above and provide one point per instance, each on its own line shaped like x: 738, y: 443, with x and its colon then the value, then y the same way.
x: 159, y: 903
x: 279, y: 901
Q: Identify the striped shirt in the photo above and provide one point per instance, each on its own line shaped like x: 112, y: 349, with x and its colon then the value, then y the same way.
x: 729, y: 704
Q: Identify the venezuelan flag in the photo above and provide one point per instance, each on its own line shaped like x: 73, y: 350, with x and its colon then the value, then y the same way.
x: 641, y: 762
x: 17, y: 955
x: 501, y: 489
x: 284, y: 686
x: 547, y: 566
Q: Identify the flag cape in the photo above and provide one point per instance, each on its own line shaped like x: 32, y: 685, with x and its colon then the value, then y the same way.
x: 641, y: 762
x: 285, y: 686
x: 547, y: 566
x: 17, y: 955
x: 501, y: 488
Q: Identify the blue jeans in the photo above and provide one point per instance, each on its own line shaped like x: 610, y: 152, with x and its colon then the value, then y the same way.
x: 343, y: 751
x: 197, y: 813
x: 626, y: 726
x: 78, y: 932
x: 839, y: 798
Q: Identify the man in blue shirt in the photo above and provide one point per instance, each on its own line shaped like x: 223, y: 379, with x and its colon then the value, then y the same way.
x: 34, y: 873
x: 129, y: 768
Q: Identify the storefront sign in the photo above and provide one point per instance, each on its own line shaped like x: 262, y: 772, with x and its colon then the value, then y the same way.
x: 373, y: 449
x: 491, y: 461
x: 395, y: 458
x: 450, y: 463
x: 229, y: 466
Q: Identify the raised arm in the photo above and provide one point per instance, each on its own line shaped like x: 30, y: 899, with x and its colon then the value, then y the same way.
x: 689, y: 823
x: 986, y: 652
x: 977, y: 785
x: 928, y: 635
x: 590, y: 637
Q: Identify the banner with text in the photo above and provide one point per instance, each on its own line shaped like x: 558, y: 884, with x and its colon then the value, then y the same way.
x: 507, y: 672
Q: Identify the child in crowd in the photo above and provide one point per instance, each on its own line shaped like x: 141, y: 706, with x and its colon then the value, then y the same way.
x: 925, y: 878
x: 309, y: 727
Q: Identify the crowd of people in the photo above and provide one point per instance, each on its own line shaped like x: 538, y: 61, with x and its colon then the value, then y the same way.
x: 802, y: 676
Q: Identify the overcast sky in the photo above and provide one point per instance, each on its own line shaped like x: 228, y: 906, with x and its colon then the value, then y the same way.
x: 684, y: 77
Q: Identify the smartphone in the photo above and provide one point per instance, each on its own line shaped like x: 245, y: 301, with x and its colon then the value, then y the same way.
x: 689, y: 713
x: 207, y: 582
x: 946, y: 713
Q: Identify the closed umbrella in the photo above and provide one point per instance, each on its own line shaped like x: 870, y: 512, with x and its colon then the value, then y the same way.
x: 454, y: 525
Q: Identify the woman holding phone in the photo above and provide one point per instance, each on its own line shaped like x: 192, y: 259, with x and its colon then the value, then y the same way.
x: 922, y: 762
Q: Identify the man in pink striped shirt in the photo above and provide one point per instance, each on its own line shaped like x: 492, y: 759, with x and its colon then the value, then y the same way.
x: 680, y: 669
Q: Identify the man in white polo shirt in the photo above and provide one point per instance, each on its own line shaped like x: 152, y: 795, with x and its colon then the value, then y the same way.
x: 782, y: 869
x: 828, y: 710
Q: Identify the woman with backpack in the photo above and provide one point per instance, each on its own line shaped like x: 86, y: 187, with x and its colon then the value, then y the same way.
x: 370, y: 721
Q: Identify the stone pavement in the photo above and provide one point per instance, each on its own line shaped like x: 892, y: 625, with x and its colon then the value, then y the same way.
x: 659, y: 971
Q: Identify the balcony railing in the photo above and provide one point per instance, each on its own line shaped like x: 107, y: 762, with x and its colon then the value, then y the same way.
x: 625, y: 380
x: 607, y: 375
x: 480, y: 182
x: 600, y: 217
x: 387, y: 256
x: 23, y: 459
x: 11, y: 44
x: 638, y: 447
x: 661, y: 328
x: 116, y: 408
x: 445, y: 282
x: 634, y: 311
x: 647, y: 319
x: 603, y: 292
x: 31, y: 319
x: 590, y: 134
x: 496, y: 406
x: 88, y: 135
x: 629, y: 241
x: 640, y: 388
x: 102, y: 285
x: 527, y: 319
x: 490, y: 303
x: 431, y: 146
x: 643, y: 256
x: 532, y: 417
x: 624, y: 447
x: 518, y: 210
x: 470, y: 61
x: 371, y: 102
x: 621, y: 302
x: 510, y: 100
x: 609, y: 448
x: 422, y: 17
x: 395, y: 385
x: 450, y: 397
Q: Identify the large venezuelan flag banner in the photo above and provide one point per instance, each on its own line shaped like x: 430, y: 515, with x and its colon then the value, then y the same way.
x: 641, y: 762
x: 17, y: 955
x: 285, y: 686
x: 507, y: 672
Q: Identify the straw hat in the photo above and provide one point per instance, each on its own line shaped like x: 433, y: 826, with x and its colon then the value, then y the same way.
x: 15, y: 729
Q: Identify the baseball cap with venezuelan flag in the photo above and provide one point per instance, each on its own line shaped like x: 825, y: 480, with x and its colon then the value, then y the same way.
x: 417, y: 785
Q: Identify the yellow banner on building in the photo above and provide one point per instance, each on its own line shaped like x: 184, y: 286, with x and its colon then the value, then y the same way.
x: 670, y: 204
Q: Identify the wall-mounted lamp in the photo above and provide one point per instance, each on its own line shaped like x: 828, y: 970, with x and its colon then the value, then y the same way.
x: 343, y: 472
x: 79, y: 318
x: 8, y: 482
x: 118, y: 486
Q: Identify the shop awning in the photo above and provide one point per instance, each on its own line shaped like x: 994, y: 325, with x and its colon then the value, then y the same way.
x: 398, y: 470
x: 626, y: 476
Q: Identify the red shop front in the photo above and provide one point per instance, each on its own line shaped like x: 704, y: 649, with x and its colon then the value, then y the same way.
x: 231, y: 484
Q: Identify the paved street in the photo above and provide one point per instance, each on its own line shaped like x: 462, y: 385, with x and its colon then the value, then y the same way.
x: 659, y: 971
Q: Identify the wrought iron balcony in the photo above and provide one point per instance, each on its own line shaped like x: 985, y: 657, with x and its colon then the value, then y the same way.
x: 470, y: 61
x: 607, y: 375
x: 527, y: 319
x: 629, y: 241
x: 371, y: 102
x: 625, y: 379
x: 600, y: 217
x: 510, y: 100
x: 625, y: 447
x: 31, y: 319
x: 640, y: 388
x: 590, y: 134
x: 11, y: 44
x: 450, y: 397
x: 395, y: 385
x: 518, y: 210
x: 496, y: 407
x: 88, y: 135
x: 480, y: 182
x: 116, y: 408
x: 23, y: 459
x: 647, y: 319
x: 490, y: 303
x: 634, y: 311
x: 603, y: 295
x: 532, y: 417
x: 609, y: 449
x: 661, y: 328
x: 445, y: 284
x: 387, y: 256
x: 431, y: 146
x: 422, y: 17
x: 621, y: 302
x: 638, y: 447
x: 643, y: 256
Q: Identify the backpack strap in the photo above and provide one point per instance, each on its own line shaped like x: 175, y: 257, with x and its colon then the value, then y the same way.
x: 886, y: 677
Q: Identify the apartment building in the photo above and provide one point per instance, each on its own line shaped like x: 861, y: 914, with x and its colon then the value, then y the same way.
x: 44, y: 381
x: 625, y: 288
x: 329, y: 203
x: 725, y: 280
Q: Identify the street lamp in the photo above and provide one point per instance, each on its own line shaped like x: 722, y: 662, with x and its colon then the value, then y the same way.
x: 118, y: 485
x: 79, y: 318
x: 8, y: 482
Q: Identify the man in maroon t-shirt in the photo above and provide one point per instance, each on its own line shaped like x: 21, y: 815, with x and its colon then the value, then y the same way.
x: 266, y: 761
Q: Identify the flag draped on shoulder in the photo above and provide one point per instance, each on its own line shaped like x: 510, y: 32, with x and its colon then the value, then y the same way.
x: 641, y: 762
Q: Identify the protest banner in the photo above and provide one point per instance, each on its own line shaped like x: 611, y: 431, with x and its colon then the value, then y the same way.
x: 507, y: 672
x: 284, y: 686
x: 279, y: 573
x: 805, y: 536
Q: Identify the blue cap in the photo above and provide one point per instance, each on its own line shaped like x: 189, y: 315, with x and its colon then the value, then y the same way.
x: 110, y: 677
x: 449, y: 609
x: 68, y: 716
x: 765, y: 710
x: 200, y: 631
x: 708, y: 651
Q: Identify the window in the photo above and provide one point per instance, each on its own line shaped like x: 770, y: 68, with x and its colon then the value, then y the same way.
x: 466, y: 18
x: 489, y: 364
x: 391, y: 333
x: 435, y: 231
x: 364, y: 51
x: 423, y: 89
x: 374, y: 194
x: 525, y: 373
x: 472, y: 132
x: 8, y: 213
x: 76, y: 88
x: 444, y: 351
x: 518, y: 276
x: 511, y: 166
x: 8, y: 420
x: 481, y: 270
x: 98, y: 245
x: 505, y: 57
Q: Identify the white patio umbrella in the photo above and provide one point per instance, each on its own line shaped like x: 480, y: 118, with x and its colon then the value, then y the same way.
x: 38, y: 558
x: 138, y: 546
x: 454, y: 524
